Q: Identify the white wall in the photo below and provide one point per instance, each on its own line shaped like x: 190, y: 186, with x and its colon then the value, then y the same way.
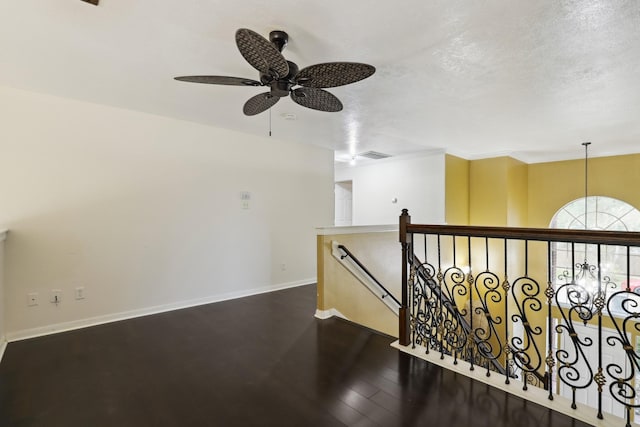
x: 145, y: 211
x: 416, y: 181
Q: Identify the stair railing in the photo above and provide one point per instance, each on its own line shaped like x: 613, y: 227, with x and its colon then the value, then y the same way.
x: 358, y: 269
x: 523, y: 312
x: 488, y: 358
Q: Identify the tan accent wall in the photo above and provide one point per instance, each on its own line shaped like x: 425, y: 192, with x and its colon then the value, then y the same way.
x: 338, y: 289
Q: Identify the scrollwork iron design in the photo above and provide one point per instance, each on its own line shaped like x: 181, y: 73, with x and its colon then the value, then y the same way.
x: 624, y: 309
x: 481, y: 331
x: 488, y: 340
x: 526, y: 354
x: 425, y: 308
x: 455, y: 338
x: 579, y: 308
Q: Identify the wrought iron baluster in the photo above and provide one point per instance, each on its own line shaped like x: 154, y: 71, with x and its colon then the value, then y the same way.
x: 577, y: 300
x: 599, y: 304
x: 412, y: 297
x: 529, y: 291
x: 549, y: 293
x: 452, y: 336
x: 470, y: 335
x: 425, y: 302
x: 455, y: 335
x: 428, y: 273
x: 484, y: 334
x: 441, y: 301
x: 505, y: 287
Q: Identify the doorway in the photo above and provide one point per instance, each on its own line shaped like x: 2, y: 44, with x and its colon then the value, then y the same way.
x: 343, y: 203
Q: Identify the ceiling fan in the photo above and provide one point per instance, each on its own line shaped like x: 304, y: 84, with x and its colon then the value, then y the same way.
x: 284, y: 76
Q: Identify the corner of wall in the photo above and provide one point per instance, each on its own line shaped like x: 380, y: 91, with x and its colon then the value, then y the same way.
x: 518, y: 193
x: 488, y: 192
x: 3, y: 334
x: 499, y: 192
x: 456, y: 197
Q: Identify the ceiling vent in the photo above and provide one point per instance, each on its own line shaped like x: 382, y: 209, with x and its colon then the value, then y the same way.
x: 374, y: 155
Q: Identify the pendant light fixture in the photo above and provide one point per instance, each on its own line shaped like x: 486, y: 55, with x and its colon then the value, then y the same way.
x: 586, y: 274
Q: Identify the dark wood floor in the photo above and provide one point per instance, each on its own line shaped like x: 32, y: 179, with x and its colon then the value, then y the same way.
x: 257, y: 361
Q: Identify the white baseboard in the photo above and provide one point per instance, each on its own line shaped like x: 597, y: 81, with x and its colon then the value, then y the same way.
x: 3, y: 347
x: 326, y: 314
x: 115, y: 317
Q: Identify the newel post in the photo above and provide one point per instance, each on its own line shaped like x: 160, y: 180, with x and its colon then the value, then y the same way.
x: 404, y: 329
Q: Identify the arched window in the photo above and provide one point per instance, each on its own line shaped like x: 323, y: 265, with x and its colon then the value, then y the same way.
x: 601, y: 213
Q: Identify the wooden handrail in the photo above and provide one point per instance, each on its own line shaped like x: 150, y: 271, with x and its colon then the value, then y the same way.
x: 614, y: 238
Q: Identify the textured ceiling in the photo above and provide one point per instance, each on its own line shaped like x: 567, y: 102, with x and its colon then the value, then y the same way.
x: 528, y: 78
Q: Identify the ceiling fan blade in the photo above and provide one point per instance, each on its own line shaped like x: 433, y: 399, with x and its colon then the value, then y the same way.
x: 219, y: 80
x: 259, y: 103
x: 261, y: 53
x: 332, y: 74
x: 316, y: 99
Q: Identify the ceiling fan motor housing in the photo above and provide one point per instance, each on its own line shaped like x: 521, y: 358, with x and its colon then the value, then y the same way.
x: 281, y: 87
x: 279, y: 39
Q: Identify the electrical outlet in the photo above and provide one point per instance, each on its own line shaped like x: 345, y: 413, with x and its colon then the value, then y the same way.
x: 32, y: 299
x: 245, y: 197
x: 79, y: 292
x: 56, y: 296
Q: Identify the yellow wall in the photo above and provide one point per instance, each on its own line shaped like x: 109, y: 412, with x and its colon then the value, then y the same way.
x: 517, y: 193
x: 501, y: 192
x: 552, y: 185
x: 456, y: 179
x: 497, y: 192
x: 507, y: 192
x: 338, y: 289
x: 488, y: 192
